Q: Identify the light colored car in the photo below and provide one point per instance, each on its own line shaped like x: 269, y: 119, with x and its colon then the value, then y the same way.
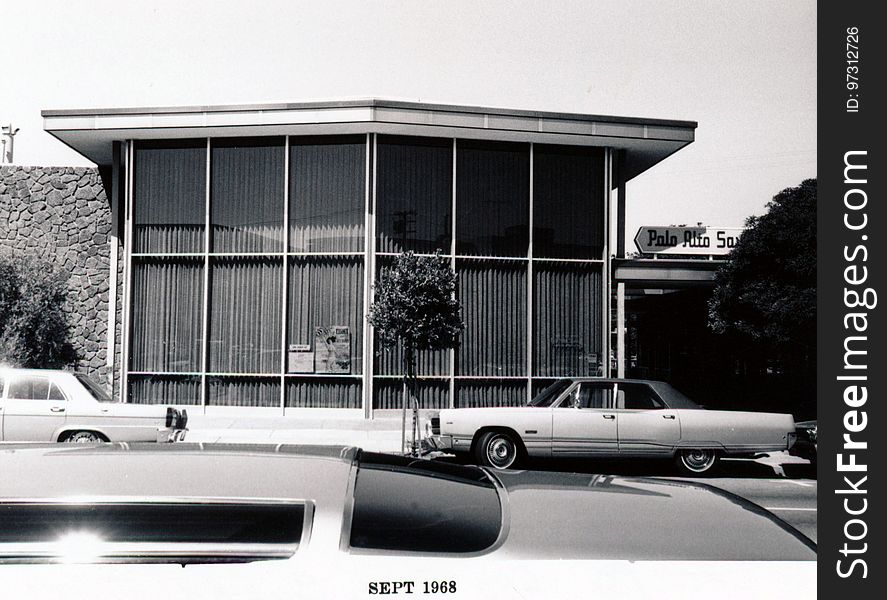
x: 39, y: 405
x: 610, y: 418
x: 204, y: 503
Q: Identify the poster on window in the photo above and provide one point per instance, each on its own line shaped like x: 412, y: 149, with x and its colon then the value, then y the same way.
x: 332, y: 349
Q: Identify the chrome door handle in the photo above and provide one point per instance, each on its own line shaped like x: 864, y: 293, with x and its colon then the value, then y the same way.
x: 668, y: 416
x: 57, y: 409
x: 609, y: 416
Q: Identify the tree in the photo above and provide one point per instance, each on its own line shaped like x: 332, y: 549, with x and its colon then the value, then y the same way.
x: 415, y: 308
x: 767, y: 289
x: 34, y: 328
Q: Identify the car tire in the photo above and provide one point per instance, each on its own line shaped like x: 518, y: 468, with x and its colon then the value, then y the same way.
x: 696, y: 461
x: 83, y: 437
x: 498, y: 450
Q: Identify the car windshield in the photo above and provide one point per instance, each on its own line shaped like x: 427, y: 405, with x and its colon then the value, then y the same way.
x: 547, y: 396
x: 94, y: 388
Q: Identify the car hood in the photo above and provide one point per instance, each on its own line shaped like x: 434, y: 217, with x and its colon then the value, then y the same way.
x: 491, y: 411
x: 566, y: 515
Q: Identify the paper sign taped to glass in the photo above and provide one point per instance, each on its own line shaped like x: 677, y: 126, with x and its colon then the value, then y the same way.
x: 332, y: 349
x: 300, y: 359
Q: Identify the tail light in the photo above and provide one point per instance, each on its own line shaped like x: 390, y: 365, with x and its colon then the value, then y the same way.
x: 170, y: 416
x: 183, y: 419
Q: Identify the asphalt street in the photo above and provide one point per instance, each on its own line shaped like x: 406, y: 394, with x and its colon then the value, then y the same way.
x: 787, y: 489
x: 791, y: 499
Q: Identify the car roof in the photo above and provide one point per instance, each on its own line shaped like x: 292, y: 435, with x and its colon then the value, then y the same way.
x: 673, y: 397
x: 21, y: 371
x: 180, y: 470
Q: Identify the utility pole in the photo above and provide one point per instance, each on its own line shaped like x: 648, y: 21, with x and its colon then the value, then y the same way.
x: 8, y: 147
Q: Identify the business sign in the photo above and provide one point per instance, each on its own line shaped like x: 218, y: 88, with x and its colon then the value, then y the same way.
x: 701, y: 241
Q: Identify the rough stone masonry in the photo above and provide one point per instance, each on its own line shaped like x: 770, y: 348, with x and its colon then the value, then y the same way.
x: 62, y: 214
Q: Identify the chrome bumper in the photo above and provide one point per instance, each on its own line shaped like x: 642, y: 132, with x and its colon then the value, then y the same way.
x: 169, y: 436
x: 439, y: 442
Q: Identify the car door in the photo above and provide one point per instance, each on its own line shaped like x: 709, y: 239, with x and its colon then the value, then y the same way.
x: 34, y: 409
x: 646, y: 424
x: 584, y: 423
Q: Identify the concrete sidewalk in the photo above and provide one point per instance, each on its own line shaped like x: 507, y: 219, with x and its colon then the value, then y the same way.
x: 377, y: 435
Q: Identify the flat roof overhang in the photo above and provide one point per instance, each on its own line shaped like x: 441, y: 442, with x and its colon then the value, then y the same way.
x: 92, y: 131
x: 644, y: 273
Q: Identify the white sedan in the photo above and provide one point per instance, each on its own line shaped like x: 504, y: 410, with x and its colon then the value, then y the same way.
x: 39, y: 405
x: 610, y: 418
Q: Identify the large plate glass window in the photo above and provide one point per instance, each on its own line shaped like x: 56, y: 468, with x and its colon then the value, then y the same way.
x: 567, y: 301
x: 167, y: 315
x: 169, y: 196
x: 492, y: 198
x: 245, y: 315
x: 414, y: 194
x: 568, y: 202
x: 327, y: 180
x: 247, y: 195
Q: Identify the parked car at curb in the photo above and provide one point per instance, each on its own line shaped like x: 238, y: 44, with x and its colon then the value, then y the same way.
x: 609, y: 418
x: 38, y: 405
x: 209, y: 503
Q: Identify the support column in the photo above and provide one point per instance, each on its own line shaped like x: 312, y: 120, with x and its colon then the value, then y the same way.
x: 620, y: 253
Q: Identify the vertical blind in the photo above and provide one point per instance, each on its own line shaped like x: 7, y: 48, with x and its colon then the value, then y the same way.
x: 164, y: 389
x: 414, y: 194
x: 167, y: 315
x: 567, y: 334
x: 247, y: 195
x: 326, y: 214
x: 245, y: 319
x: 169, y: 196
x: 243, y: 391
x: 323, y: 292
x: 478, y: 394
x: 340, y: 392
x: 493, y: 295
x: 327, y: 194
x: 431, y: 393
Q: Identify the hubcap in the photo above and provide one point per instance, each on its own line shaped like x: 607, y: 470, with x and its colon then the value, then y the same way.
x: 83, y: 438
x: 501, y: 452
x: 698, y: 460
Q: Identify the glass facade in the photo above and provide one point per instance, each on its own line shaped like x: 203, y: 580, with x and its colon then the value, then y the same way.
x: 250, y: 268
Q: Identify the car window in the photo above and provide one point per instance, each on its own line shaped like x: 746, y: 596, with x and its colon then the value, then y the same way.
x: 415, y: 505
x: 55, y: 393
x: 29, y: 388
x: 181, y: 532
x: 547, y: 396
x: 638, y: 397
x: 97, y: 391
x: 590, y: 395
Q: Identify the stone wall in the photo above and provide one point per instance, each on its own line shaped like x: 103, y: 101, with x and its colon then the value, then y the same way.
x: 62, y: 214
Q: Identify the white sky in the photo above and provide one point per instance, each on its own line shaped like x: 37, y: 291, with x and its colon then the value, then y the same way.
x: 745, y: 70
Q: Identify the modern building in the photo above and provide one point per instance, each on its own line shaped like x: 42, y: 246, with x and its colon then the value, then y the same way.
x: 245, y: 242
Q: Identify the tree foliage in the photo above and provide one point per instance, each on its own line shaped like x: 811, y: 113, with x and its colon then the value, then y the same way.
x: 34, y: 328
x: 415, y: 307
x: 415, y: 304
x: 766, y: 291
